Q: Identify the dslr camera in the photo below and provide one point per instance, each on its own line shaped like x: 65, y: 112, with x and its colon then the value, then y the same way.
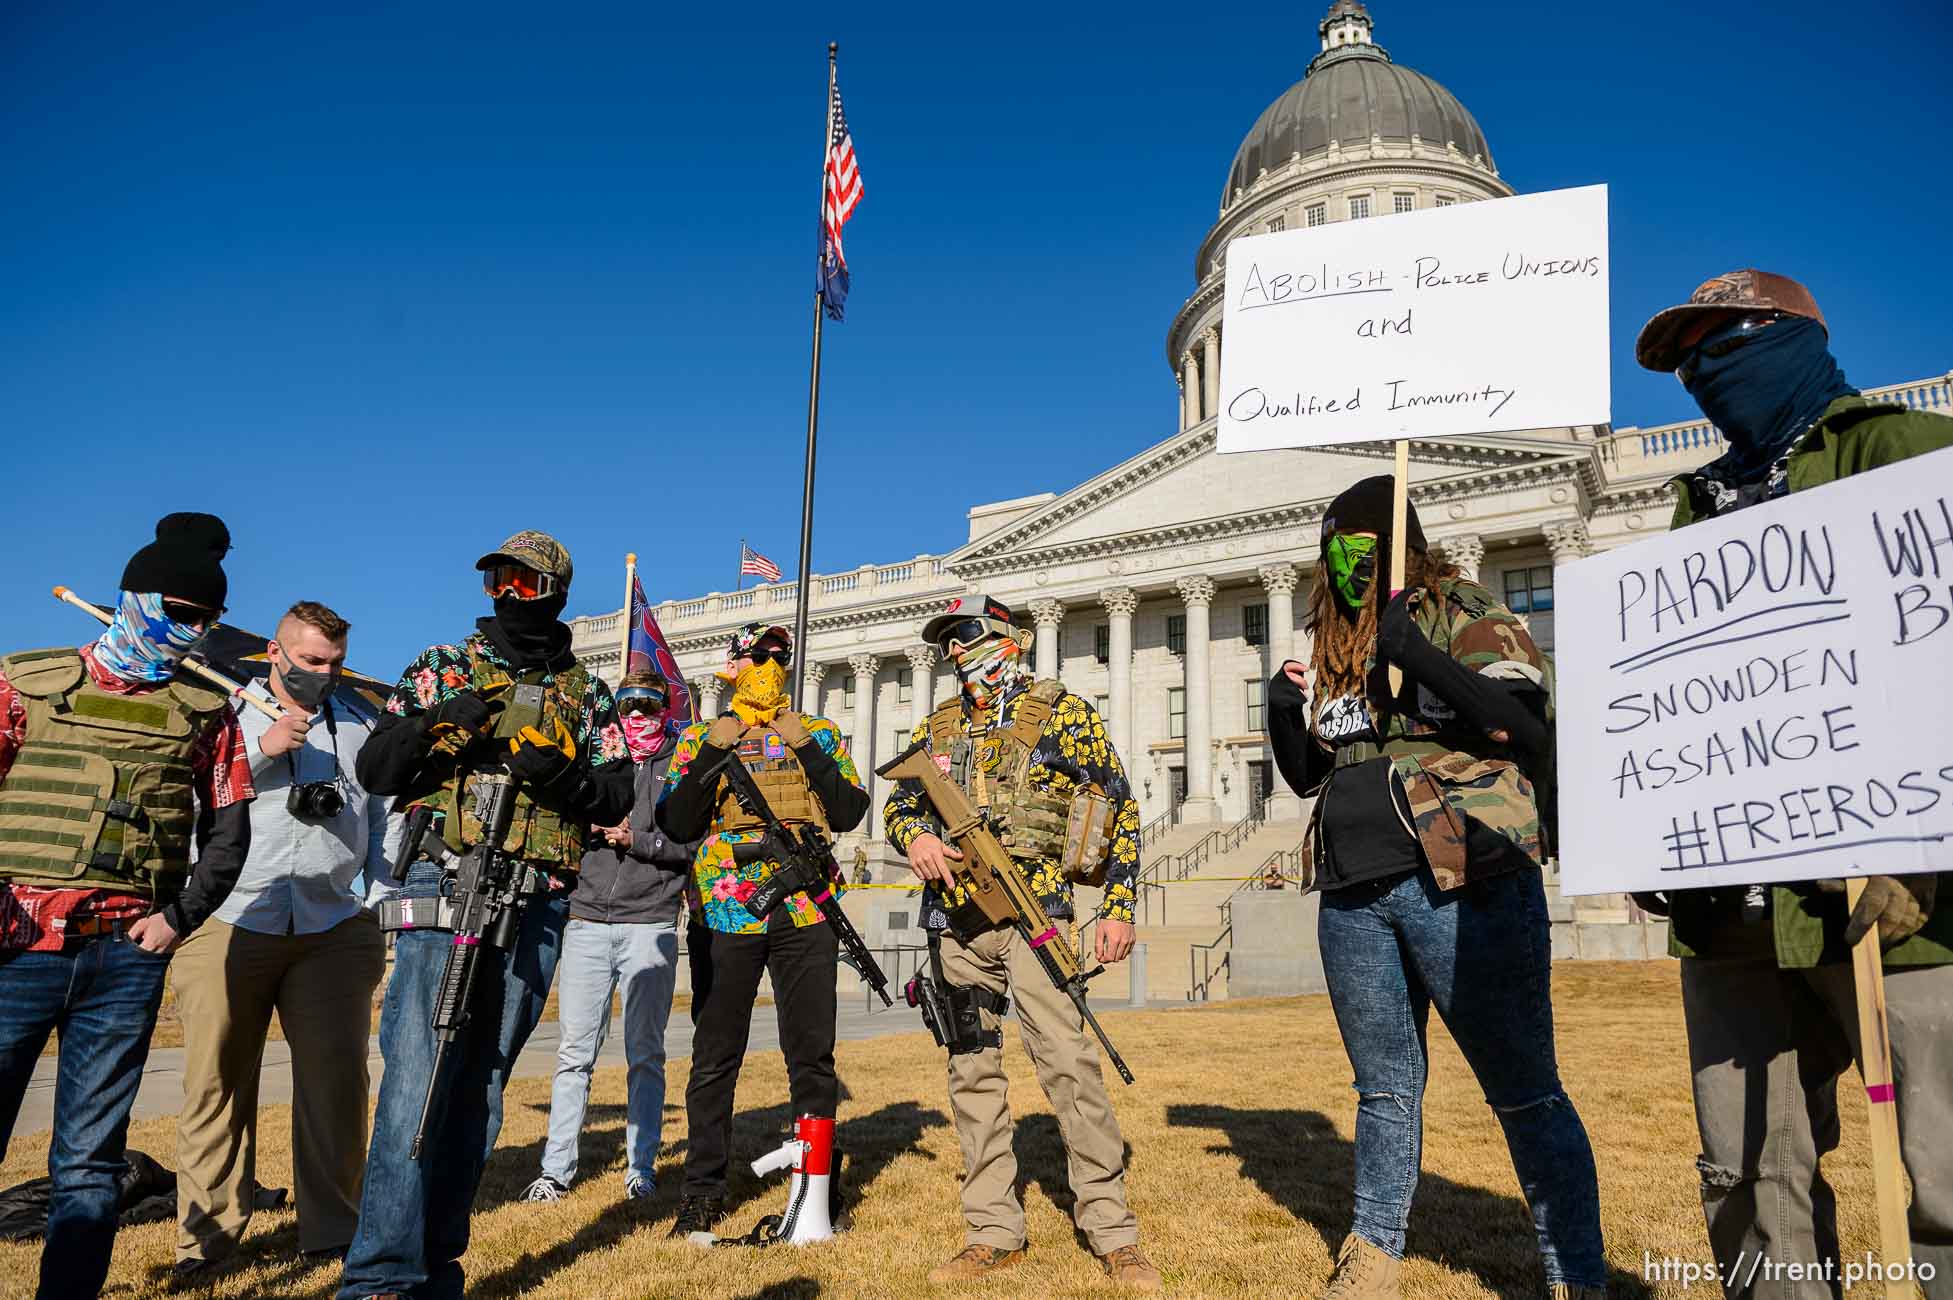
x: 315, y: 800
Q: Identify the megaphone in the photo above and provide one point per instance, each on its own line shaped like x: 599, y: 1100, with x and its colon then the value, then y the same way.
x: 809, y: 1215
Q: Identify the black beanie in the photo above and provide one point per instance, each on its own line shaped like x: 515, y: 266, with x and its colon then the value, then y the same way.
x: 185, y: 561
x: 1364, y: 507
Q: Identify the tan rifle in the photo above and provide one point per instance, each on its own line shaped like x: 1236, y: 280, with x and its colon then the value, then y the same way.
x: 996, y: 885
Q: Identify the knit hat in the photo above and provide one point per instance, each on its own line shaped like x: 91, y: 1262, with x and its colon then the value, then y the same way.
x: 185, y: 561
x: 1364, y: 507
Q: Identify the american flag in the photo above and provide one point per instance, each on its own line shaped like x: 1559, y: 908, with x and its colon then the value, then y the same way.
x: 751, y: 561
x: 650, y: 650
x: 841, y: 192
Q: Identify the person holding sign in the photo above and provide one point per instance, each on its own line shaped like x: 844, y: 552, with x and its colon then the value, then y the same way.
x: 1426, y: 843
x: 1767, y: 983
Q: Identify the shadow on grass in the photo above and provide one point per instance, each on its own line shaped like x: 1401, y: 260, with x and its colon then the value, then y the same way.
x: 794, y: 1288
x: 1043, y: 1162
x: 868, y: 1142
x: 1297, y: 1159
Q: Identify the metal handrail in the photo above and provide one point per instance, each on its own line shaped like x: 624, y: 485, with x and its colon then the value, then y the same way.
x: 1158, y: 827
x: 893, y: 971
x: 1200, y: 986
x: 1146, y: 900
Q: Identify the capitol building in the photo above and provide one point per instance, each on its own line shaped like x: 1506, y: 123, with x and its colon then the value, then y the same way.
x: 1166, y: 588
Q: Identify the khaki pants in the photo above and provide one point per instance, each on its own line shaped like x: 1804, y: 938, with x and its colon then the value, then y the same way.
x: 1067, y: 1060
x: 228, y: 981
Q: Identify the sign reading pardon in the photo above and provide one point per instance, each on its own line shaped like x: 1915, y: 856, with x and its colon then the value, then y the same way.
x: 1472, y: 318
x: 1764, y: 696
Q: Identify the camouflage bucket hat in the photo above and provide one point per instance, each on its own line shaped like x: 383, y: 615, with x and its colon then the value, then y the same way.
x: 538, y: 550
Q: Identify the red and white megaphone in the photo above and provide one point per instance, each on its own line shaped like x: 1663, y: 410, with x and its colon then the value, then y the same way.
x: 809, y: 1152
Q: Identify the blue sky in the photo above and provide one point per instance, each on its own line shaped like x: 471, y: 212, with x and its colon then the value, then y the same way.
x: 381, y: 284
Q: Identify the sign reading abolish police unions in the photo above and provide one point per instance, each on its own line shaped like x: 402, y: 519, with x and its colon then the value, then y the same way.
x: 1764, y: 696
x: 1472, y: 318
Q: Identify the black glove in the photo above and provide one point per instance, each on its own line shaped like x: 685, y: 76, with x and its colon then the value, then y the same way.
x: 1396, y: 627
x: 1653, y: 904
x: 462, y: 712
x: 1897, y: 905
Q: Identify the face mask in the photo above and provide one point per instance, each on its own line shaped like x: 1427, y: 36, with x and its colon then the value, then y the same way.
x: 759, y: 692
x: 987, y: 668
x: 143, y: 644
x: 1352, y: 567
x: 307, y: 688
x: 643, y: 733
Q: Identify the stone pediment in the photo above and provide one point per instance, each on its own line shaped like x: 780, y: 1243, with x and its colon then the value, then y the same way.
x: 1182, y: 489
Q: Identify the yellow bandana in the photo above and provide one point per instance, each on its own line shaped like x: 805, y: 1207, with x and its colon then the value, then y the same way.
x: 759, y: 692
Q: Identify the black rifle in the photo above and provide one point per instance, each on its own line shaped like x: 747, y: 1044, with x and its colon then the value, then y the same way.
x: 806, y: 867
x: 487, y: 891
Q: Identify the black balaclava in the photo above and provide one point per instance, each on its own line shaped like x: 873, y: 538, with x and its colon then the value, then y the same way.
x: 528, y: 631
x: 1764, y: 394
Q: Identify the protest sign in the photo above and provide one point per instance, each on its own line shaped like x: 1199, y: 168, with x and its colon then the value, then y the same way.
x: 1763, y: 696
x: 1471, y: 318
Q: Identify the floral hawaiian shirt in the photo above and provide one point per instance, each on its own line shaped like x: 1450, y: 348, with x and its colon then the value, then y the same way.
x: 441, y: 671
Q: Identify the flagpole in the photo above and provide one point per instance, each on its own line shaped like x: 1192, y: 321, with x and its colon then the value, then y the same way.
x: 813, y: 416
x: 630, y: 585
x: 739, y: 579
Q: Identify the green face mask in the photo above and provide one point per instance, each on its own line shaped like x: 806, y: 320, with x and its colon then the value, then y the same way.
x: 1352, y: 567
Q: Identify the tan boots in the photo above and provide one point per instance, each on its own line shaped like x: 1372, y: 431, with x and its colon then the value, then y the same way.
x: 1363, y: 1272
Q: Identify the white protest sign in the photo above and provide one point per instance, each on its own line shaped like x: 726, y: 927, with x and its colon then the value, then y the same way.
x: 1764, y: 696
x: 1472, y: 318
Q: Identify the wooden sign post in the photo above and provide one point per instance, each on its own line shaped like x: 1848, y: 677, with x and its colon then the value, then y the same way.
x: 1875, y: 1057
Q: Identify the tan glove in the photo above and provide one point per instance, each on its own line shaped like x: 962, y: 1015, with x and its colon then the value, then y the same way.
x: 1897, y: 905
x: 791, y: 728
x: 725, y: 732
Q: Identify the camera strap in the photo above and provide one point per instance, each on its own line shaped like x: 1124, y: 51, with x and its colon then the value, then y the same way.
x: 332, y: 735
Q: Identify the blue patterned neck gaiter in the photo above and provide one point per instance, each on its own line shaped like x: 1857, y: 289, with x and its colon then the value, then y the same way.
x: 143, y: 644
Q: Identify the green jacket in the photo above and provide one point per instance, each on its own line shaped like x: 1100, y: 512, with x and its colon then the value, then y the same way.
x: 1852, y: 436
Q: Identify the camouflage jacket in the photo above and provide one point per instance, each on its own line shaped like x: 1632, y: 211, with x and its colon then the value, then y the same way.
x: 1469, y: 801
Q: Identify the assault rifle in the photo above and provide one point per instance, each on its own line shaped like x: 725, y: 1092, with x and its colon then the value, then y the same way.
x: 488, y: 889
x: 997, y: 890
x: 806, y: 867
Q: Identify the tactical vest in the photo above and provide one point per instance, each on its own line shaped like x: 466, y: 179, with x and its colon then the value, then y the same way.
x: 536, y: 834
x: 101, y: 792
x: 782, y: 782
x: 1034, y: 823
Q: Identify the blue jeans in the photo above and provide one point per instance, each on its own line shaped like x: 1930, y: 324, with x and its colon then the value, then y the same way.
x: 413, y: 1214
x: 598, y: 957
x: 102, y: 995
x: 1392, y: 948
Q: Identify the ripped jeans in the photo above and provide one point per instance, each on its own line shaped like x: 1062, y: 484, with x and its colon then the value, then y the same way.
x: 1393, y: 948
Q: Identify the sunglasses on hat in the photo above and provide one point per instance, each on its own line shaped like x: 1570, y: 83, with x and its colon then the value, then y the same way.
x: 1721, y: 343
x: 518, y: 580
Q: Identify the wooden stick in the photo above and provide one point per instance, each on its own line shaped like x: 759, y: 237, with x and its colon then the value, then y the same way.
x: 202, y: 670
x: 1875, y: 1064
x: 1399, y: 514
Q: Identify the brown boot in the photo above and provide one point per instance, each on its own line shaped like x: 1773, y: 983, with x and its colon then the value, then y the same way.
x: 1363, y: 1272
x: 1127, y: 1267
x: 1575, y: 1291
x: 974, y: 1262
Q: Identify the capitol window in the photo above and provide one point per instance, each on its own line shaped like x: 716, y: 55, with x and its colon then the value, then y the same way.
x: 1176, y: 634
x: 1359, y: 207
x: 1403, y: 202
x: 1102, y: 643
x: 847, y: 691
x: 1445, y: 200
x: 1254, y: 624
x: 1529, y: 591
x: 1176, y: 713
x: 1102, y: 704
x: 1257, y: 717
x: 1277, y: 224
x: 904, y: 691
x: 1316, y: 214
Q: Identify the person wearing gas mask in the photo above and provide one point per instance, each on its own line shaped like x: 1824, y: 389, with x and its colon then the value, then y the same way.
x: 511, y: 700
x: 292, y: 938
x: 1028, y: 752
x: 622, y: 936
x: 801, y: 764
x: 109, y: 759
x: 1426, y: 844
x: 1767, y: 991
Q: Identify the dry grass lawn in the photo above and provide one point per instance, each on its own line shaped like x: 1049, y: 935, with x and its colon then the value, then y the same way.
x: 1240, y: 1129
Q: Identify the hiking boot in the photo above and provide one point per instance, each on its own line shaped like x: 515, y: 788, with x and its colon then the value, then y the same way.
x: 973, y: 1262
x: 1364, y: 1271
x: 1575, y: 1291
x: 639, y: 1188
x: 545, y: 1189
x: 696, y: 1217
x: 1127, y: 1267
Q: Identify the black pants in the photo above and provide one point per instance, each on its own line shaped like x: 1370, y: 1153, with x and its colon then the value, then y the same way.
x: 726, y: 972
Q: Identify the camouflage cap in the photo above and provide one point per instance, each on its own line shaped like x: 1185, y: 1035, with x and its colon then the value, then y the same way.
x: 1725, y: 298
x: 538, y: 550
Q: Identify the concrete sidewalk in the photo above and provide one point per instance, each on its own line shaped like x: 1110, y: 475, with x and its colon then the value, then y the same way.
x: 161, y: 1093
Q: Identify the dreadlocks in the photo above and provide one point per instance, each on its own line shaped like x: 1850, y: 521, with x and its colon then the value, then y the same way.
x: 1344, y: 642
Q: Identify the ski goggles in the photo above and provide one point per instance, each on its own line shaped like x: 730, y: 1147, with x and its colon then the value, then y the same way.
x: 518, y: 580
x: 961, y: 635
x: 643, y: 699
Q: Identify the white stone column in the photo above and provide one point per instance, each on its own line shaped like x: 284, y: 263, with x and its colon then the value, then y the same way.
x: 922, y: 683
x: 1049, y: 615
x: 863, y: 744
x: 1279, y: 581
x: 1120, y: 602
x: 1568, y: 541
x: 1200, y: 805
x: 1210, y: 373
x: 810, y: 692
x: 708, y: 697
x: 1467, y: 551
x: 1189, y: 390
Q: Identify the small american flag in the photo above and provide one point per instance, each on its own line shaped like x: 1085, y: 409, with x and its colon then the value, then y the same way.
x: 751, y: 561
x: 841, y: 192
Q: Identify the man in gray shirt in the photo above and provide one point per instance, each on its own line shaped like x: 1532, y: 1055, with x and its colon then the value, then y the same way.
x: 622, y: 933
x: 293, y: 937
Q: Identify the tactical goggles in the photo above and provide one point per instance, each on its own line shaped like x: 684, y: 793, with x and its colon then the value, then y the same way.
x: 642, y: 699
x: 518, y: 580
x: 963, y: 634
x: 181, y: 611
x: 1726, y: 340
